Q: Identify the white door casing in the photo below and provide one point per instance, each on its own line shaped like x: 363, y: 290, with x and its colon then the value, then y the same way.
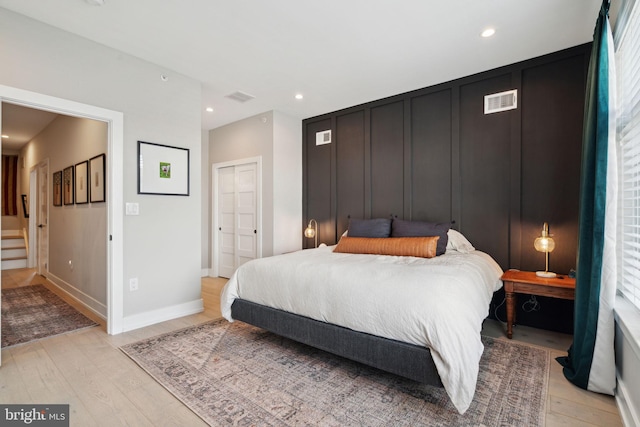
x: 115, y: 185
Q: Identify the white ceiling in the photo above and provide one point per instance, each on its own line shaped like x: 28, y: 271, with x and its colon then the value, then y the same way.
x: 337, y: 53
x: 22, y: 124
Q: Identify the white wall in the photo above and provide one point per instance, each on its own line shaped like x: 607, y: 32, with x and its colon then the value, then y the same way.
x: 77, y: 233
x: 12, y: 222
x: 251, y: 137
x: 162, y: 246
x: 206, y: 203
x: 287, y: 183
x: 277, y: 138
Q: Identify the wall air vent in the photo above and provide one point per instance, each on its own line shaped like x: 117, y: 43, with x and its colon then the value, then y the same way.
x: 323, y: 137
x: 502, y: 101
x: 240, y: 96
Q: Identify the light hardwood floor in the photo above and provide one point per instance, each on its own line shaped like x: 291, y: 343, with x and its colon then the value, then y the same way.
x: 105, y: 388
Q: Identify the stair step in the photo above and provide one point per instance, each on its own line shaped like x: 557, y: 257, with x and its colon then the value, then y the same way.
x: 17, y: 246
x: 14, y: 258
x: 13, y: 253
x: 14, y: 263
x: 13, y: 243
x: 13, y: 250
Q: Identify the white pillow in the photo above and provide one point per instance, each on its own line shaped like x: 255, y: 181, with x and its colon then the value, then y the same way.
x: 457, y: 242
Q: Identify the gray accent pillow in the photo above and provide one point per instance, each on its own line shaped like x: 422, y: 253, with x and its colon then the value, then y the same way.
x: 402, y: 228
x: 379, y: 227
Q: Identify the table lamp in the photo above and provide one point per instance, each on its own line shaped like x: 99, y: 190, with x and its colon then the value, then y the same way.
x: 545, y: 244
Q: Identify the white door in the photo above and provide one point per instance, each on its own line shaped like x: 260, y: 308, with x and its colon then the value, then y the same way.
x: 226, y: 221
x: 32, y: 258
x: 237, y: 216
x: 246, y: 212
x: 43, y: 218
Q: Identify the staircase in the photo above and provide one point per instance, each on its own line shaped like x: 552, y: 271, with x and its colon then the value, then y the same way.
x: 14, y: 250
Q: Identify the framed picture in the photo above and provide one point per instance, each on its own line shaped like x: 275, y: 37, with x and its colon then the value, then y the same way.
x: 57, y: 188
x: 97, y: 188
x: 67, y: 185
x: 81, y: 187
x: 163, y: 169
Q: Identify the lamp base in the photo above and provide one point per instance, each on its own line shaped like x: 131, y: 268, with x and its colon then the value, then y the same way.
x: 545, y: 274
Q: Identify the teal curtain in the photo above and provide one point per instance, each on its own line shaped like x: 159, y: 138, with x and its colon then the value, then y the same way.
x: 590, y: 363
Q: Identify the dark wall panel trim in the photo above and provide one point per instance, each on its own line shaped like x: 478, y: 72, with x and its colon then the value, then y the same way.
x: 486, y: 179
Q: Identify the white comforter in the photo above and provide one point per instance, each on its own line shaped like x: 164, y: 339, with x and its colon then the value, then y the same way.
x: 439, y: 303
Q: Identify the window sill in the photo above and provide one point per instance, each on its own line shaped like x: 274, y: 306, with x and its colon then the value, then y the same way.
x: 628, y: 318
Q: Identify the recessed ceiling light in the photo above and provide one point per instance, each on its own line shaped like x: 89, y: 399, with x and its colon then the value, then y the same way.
x: 299, y: 96
x: 488, y: 32
x: 209, y: 110
x: 164, y: 77
x: 5, y: 136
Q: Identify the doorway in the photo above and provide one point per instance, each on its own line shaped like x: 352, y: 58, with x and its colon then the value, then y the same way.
x: 237, y: 219
x: 114, y: 200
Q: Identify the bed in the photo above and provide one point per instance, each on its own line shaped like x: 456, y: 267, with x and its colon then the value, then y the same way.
x: 416, y: 317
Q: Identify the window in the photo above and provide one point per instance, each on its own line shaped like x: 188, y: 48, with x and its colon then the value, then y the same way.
x: 628, y: 122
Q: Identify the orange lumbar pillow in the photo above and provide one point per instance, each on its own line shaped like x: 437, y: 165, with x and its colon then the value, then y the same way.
x: 424, y: 247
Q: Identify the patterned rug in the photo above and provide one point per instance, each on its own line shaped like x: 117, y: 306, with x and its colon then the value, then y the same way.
x: 236, y: 374
x: 31, y: 313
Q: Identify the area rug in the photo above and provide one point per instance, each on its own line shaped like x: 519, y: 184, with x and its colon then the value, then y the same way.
x: 31, y: 313
x: 236, y: 374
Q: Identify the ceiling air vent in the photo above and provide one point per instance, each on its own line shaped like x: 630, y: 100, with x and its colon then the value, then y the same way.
x: 502, y: 101
x: 240, y: 96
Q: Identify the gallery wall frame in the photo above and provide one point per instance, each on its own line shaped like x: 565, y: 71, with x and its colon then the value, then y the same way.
x: 80, y: 183
x: 97, y: 188
x: 57, y: 188
x: 163, y: 169
x: 68, y: 185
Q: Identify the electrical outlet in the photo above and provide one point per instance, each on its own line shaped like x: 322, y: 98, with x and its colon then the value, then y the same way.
x: 133, y: 284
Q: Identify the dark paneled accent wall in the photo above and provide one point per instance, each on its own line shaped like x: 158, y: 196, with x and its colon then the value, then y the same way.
x: 432, y: 154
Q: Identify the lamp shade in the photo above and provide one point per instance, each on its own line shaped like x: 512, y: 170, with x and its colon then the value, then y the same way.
x: 544, y: 243
x: 309, y: 232
x: 312, y: 231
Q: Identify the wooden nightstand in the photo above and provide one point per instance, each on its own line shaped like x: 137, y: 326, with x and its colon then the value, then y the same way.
x: 526, y: 282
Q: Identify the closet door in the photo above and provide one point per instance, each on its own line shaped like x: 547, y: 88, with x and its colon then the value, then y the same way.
x: 246, y: 213
x: 237, y: 217
x: 226, y: 221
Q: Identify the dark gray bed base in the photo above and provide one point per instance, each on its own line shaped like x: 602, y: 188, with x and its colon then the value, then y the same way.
x: 407, y: 360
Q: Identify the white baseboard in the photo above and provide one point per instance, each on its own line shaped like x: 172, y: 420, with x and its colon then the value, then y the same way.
x: 205, y: 272
x: 161, y: 315
x: 629, y: 414
x: 627, y: 347
x: 85, y: 300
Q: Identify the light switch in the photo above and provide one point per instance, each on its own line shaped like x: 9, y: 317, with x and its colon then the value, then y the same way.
x: 132, y: 209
